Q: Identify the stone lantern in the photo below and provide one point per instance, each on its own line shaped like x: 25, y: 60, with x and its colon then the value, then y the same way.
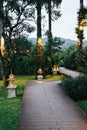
x: 55, y: 69
x: 11, y: 86
x: 40, y: 71
x: 40, y: 76
x: 11, y: 80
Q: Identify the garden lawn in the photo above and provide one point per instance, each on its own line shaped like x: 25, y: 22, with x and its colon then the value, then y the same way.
x: 54, y: 77
x: 10, y: 108
x: 9, y: 113
x: 83, y: 105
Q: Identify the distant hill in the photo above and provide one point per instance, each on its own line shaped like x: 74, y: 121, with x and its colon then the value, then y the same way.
x: 33, y: 40
x: 68, y: 42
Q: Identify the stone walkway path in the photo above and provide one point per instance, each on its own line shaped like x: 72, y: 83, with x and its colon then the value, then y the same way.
x: 68, y: 72
x: 46, y: 107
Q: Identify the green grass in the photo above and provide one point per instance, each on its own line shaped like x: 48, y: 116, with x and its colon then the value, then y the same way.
x: 9, y: 113
x: 54, y: 77
x: 10, y: 108
x: 83, y: 105
x: 22, y: 79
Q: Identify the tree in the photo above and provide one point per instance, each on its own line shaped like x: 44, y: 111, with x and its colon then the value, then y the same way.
x: 2, y: 51
x: 39, y: 57
x: 15, y: 16
x: 21, y: 45
x: 53, y: 12
x: 51, y: 50
x: 38, y: 5
x: 22, y: 61
x: 69, y: 57
x: 1, y: 17
x: 79, y: 30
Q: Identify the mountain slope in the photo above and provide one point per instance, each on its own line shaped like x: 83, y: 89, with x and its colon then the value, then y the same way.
x: 67, y: 42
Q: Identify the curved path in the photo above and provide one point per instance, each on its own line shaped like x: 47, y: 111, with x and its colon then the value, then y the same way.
x: 68, y: 72
x: 46, y: 107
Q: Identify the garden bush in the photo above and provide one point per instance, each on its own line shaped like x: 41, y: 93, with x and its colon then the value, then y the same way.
x: 76, y: 88
x: 69, y: 58
x: 24, y: 65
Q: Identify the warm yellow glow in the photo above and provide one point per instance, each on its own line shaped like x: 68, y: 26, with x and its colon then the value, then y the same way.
x: 40, y: 41
x: 2, y: 45
x: 83, y: 22
x: 80, y: 28
x: 2, y: 41
x: 78, y: 42
x: 55, y: 68
x: 40, y: 71
x: 11, y: 80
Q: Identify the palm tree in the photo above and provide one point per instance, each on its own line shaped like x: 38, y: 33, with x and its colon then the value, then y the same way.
x: 81, y: 3
x: 79, y: 30
x: 79, y: 21
x: 49, y: 33
x: 1, y: 17
x: 55, y: 2
x: 1, y: 33
x: 39, y: 7
x: 38, y: 4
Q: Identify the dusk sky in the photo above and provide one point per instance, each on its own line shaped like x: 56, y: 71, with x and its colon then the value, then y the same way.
x: 68, y: 22
x: 65, y: 26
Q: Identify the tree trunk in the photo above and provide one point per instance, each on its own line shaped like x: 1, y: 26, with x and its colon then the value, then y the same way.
x: 80, y: 36
x: 39, y: 34
x: 1, y: 31
x: 3, y: 73
x: 81, y: 3
x: 49, y: 13
x: 81, y: 32
x: 1, y: 17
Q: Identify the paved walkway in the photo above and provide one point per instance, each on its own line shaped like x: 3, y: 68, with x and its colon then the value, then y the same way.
x: 68, y: 72
x: 46, y: 107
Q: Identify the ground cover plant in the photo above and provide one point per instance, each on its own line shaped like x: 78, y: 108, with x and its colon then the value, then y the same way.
x: 10, y: 108
x: 54, y: 77
x: 76, y: 88
x: 83, y: 105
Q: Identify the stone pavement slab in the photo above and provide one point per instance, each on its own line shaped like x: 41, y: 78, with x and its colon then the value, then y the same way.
x: 46, y: 107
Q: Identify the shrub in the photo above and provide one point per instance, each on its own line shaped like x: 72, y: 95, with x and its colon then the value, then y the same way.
x: 69, y: 58
x: 76, y: 88
x: 24, y: 65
